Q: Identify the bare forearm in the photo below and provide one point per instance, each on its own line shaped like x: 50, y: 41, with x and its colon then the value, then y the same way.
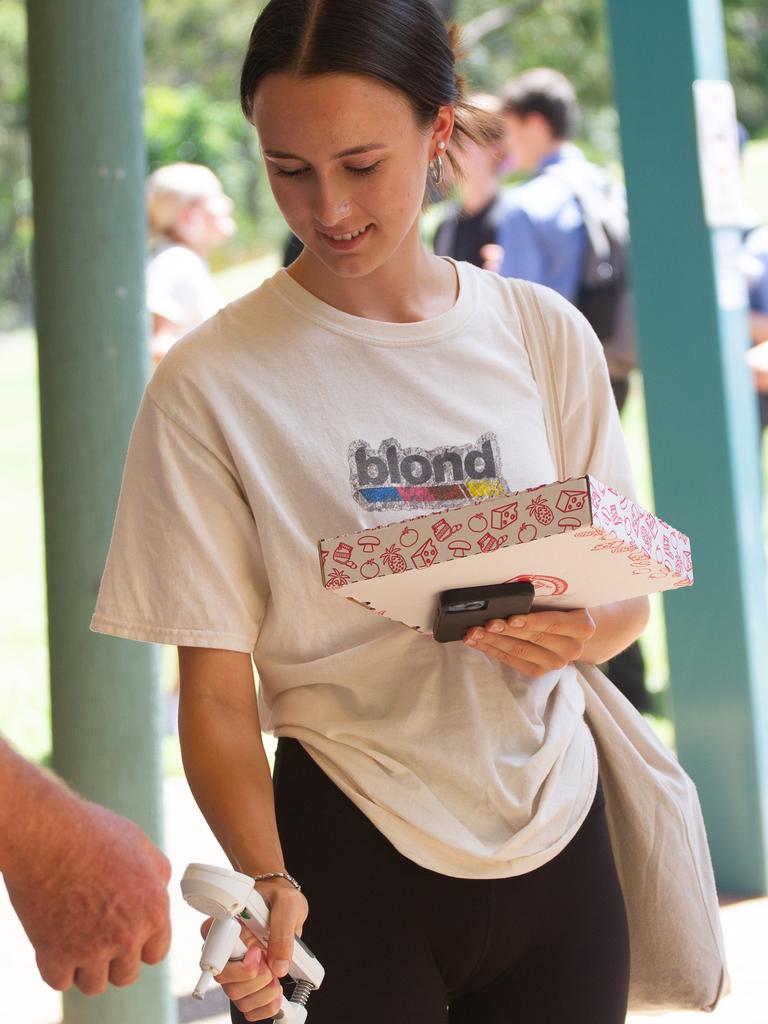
x: 758, y: 327
x: 228, y: 772
x: 26, y: 836
x: 616, y: 627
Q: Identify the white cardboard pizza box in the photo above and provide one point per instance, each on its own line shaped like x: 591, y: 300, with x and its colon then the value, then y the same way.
x: 579, y: 542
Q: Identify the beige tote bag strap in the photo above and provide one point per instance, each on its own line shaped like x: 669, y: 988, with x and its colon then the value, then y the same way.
x: 536, y: 338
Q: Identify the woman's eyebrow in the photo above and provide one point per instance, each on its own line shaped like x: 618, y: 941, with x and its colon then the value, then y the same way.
x: 280, y: 155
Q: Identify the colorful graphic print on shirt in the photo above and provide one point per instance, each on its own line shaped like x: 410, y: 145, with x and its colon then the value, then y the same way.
x: 396, y: 477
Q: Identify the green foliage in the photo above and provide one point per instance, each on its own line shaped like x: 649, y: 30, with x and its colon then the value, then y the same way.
x: 569, y: 35
x: 15, y: 187
x: 184, y: 123
x: 198, y: 41
x: 747, y: 30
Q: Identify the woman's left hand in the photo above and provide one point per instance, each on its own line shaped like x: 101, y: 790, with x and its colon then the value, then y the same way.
x: 536, y: 643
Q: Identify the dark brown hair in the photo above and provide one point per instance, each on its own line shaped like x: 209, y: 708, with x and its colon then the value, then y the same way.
x: 402, y: 43
x: 543, y: 91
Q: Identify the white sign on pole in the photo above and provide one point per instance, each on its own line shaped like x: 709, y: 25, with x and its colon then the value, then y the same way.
x: 718, y: 140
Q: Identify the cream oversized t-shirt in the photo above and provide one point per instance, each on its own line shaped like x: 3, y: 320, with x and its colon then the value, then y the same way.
x: 273, y: 425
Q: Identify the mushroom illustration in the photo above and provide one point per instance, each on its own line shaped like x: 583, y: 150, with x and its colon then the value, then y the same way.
x: 368, y: 543
x: 569, y: 523
x: 459, y: 548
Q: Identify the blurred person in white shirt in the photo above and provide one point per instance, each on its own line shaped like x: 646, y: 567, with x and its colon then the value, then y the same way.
x: 189, y: 216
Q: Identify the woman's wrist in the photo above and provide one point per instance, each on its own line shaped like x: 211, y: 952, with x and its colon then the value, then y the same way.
x: 269, y: 876
x: 617, y: 625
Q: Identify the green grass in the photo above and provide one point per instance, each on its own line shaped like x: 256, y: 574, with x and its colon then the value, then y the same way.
x: 756, y: 177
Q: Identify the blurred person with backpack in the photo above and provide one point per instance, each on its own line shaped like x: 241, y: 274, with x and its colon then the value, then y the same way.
x: 566, y: 227
x: 189, y: 215
x: 754, y: 265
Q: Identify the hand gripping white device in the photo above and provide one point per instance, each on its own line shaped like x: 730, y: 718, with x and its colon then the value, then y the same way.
x: 230, y: 898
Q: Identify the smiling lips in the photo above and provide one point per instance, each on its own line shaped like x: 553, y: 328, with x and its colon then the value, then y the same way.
x: 351, y: 235
x: 347, y: 239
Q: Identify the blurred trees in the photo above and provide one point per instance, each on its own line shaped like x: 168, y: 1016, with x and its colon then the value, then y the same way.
x: 15, y: 188
x: 193, y: 53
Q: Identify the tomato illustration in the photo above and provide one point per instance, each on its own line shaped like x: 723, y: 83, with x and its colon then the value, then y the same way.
x: 478, y: 523
x: 526, y: 532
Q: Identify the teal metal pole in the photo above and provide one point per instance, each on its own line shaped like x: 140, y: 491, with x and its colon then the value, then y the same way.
x: 702, y: 423
x: 85, y: 71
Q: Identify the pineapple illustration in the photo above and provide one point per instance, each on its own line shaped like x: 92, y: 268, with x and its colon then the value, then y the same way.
x: 394, y: 559
x: 540, y: 511
x: 336, y: 580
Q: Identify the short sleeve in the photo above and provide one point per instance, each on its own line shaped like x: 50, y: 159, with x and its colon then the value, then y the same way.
x: 180, y: 288
x: 184, y: 565
x: 593, y: 436
x: 166, y: 292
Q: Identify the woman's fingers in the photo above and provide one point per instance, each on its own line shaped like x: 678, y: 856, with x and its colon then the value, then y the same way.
x: 537, y: 643
x: 251, y: 971
x: 287, y: 913
x: 577, y: 623
x: 252, y: 983
x: 527, y: 668
x: 267, y: 998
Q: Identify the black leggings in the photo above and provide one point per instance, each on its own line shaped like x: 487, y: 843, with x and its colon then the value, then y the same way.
x: 404, y: 945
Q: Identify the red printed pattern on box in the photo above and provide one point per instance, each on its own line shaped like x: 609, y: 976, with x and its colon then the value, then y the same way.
x: 584, y: 506
x: 486, y: 525
x: 654, y: 547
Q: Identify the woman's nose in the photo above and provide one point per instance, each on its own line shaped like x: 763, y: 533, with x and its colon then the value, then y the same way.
x: 332, y: 206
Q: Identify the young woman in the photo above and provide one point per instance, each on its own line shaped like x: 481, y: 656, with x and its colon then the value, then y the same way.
x: 439, y: 804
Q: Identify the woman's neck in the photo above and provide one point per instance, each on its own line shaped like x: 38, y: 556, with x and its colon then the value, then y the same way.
x: 413, y: 285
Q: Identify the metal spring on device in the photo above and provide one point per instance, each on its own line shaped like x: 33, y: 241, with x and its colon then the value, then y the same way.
x: 302, y: 990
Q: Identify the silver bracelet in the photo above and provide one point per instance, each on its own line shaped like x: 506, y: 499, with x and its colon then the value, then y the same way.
x: 277, y: 874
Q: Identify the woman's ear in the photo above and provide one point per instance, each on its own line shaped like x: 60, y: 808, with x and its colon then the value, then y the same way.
x: 442, y: 129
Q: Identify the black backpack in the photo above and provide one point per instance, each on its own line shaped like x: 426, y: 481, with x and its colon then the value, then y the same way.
x: 604, y: 295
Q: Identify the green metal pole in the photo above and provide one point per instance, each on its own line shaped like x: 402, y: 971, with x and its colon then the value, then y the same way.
x: 85, y: 70
x: 702, y: 422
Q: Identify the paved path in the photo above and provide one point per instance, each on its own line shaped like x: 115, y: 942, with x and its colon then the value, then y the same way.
x: 25, y: 999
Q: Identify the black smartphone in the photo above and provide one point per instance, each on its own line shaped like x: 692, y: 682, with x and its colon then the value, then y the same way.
x: 460, y: 609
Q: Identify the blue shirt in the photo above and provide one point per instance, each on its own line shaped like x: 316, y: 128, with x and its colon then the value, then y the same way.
x: 542, y: 230
x: 757, y: 249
